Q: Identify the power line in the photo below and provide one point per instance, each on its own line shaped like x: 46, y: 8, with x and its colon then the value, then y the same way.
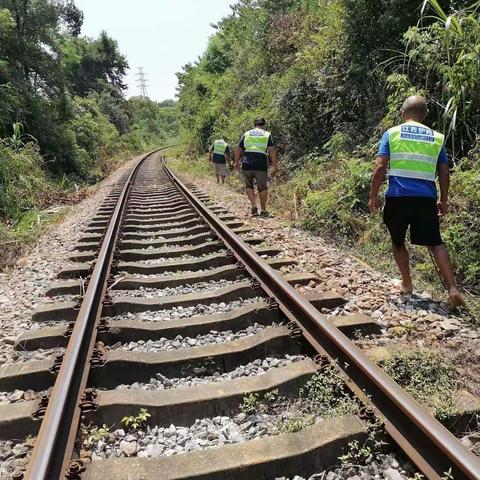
x: 142, y: 82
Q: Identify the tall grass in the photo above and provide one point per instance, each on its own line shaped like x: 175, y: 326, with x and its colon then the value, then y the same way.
x: 22, y: 181
x: 448, y: 51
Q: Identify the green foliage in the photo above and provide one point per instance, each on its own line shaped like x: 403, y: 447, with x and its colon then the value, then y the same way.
x: 362, y: 453
x: 462, y: 227
x: 428, y: 376
x: 337, y: 199
x: 327, y: 394
x: 91, y: 65
x: 21, y: 180
x: 443, y: 59
x: 358, y: 454
x: 250, y: 404
x: 330, y: 77
x: 154, y: 123
x: 63, y: 117
x: 294, y: 424
x: 18, y: 139
x: 135, y: 422
x: 272, y: 398
x: 93, y: 434
x: 95, y: 137
x: 324, y: 395
x: 67, y: 90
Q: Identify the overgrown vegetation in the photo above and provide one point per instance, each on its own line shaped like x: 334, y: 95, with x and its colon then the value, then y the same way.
x: 92, y: 434
x: 330, y: 77
x: 362, y: 453
x: 64, y: 120
x: 323, y: 396
x: 429, y: 377
x: 135, y: 422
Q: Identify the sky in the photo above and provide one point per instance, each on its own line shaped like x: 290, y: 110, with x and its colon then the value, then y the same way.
x: 159, y: 35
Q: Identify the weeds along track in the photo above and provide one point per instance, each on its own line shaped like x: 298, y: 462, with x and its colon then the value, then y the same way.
x: 176, y: 346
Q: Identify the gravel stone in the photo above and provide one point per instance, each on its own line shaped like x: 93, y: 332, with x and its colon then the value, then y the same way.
x: 14, y: 457
x: 185, y: 257
x: 23, y: 287
x: 160, y: 382
x: 164, y: 344
x: 128, y: 448
x: 204, y: 433
x: 384, y: 466
x: 183, y: 290
x: 186, y: 312
x: 27, y: 356
x: 21, y: 396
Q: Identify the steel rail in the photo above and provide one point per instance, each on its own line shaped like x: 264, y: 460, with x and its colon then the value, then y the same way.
x: 54, y: 445
x: 425, y: 440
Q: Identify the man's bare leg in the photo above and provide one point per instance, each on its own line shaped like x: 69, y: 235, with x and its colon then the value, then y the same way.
x: 223, y: 180
x: 218, y: 178
x: 402, y: 259
x: 442, y: 259
x: 263, y: 200
x: 251, y: 197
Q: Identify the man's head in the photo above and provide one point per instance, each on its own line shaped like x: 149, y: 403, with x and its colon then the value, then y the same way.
x: 414, y: 108
x: 259, y: 122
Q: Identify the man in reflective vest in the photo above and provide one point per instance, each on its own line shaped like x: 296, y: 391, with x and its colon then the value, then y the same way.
x: 411, y: 155
x: 256, y: 146
x: 218, y: 155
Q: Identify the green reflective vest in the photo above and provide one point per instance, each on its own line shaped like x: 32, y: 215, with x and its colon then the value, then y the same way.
x: 414, y: 151
x: 256, y: 141
x: 220, y: 147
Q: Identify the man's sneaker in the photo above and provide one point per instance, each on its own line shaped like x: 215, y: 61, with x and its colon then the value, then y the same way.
x: 265, y: 214
x: 254, y: 212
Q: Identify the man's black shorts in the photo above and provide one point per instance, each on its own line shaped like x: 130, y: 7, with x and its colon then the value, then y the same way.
x: 420, y: 213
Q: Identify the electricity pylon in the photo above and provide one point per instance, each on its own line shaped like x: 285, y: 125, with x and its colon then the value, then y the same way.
x: 142, y: 82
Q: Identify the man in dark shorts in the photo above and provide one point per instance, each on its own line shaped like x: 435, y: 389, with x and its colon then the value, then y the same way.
x: 413, y: 154
x: 257, y: 147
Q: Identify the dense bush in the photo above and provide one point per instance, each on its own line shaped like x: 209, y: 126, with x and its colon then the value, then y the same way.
x: 330, y: 77
x: 66, y: 92
x: 21, y: 180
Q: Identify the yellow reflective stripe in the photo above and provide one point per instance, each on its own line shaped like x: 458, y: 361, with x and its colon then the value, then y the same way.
x: 416, y: 157
x: 415, y: 166
x: 411, y: 174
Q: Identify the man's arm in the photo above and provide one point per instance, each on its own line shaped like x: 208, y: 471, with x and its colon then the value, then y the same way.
x: 444, y: 181
x: 210, y: 155
x: 238, y: 157
x: 379, y: 172
x: 272, y: 151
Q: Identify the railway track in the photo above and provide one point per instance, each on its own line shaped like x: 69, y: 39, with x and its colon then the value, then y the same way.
x: 174, y: 307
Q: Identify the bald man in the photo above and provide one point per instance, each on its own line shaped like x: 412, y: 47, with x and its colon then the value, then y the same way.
x: 412, y: 155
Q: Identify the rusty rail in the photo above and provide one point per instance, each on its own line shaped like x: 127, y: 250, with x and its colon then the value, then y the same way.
x: 52, y: 454
x: 426, y: 441
x: 429, y: 445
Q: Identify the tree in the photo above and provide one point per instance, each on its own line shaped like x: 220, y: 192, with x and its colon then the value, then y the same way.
x: 91, y: 65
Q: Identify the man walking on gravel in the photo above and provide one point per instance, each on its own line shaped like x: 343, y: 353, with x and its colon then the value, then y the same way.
x: 256, y: 146
x: 413, y: 154
x: 217, y: 157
